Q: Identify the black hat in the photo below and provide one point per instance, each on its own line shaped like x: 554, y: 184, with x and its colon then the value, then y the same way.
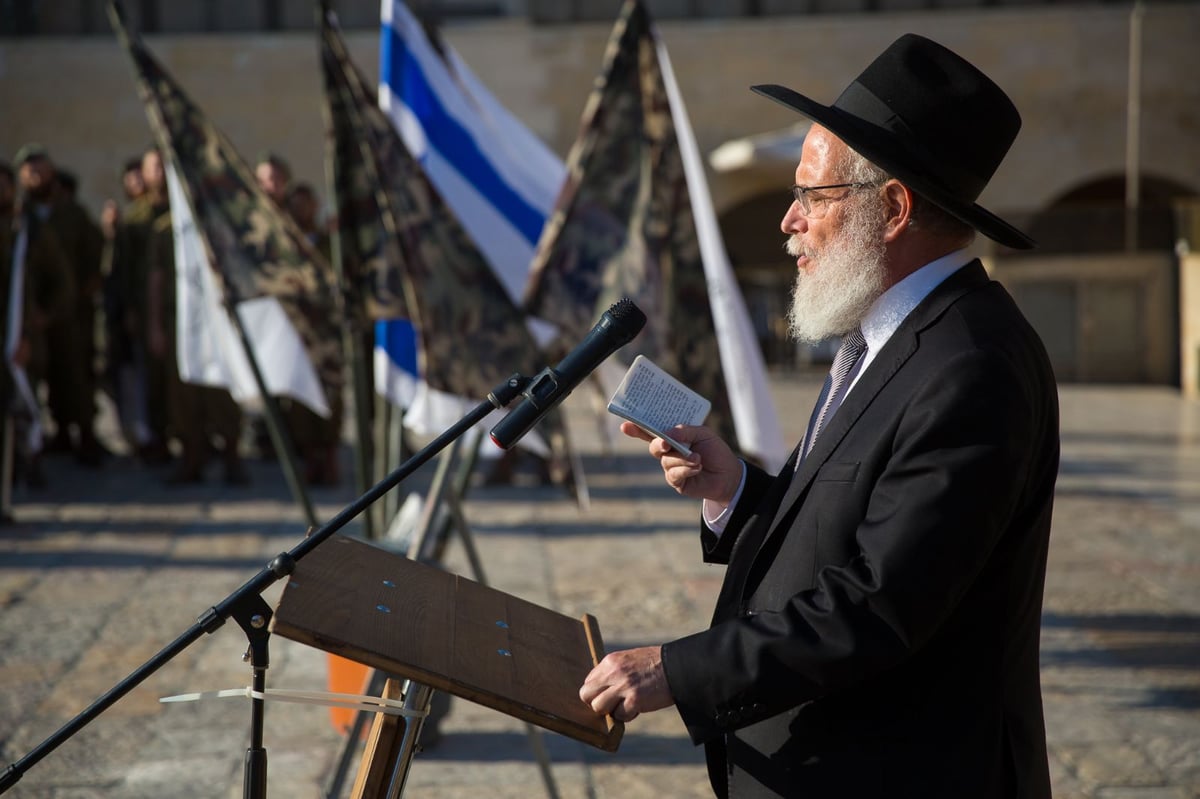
x: 927, y: 116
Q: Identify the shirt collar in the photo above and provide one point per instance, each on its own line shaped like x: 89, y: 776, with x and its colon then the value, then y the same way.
x: 894, y: 305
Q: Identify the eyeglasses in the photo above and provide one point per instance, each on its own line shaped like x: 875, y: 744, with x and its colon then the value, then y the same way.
x: 817, y: 207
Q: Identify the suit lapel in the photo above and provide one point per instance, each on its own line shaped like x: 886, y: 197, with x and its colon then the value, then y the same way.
x: 895, y: 353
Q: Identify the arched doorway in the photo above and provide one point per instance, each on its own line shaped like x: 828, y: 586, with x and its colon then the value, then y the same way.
x: 1092, y: 217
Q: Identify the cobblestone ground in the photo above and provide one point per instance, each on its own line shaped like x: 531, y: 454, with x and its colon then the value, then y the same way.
x: 105, y: 568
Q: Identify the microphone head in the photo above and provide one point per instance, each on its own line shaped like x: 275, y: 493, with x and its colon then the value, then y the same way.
x: 627, y: 319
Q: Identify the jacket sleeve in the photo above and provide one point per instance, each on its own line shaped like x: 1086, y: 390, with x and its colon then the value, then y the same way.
x: 716, y: 548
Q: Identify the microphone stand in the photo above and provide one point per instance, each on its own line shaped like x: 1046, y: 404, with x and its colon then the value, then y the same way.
x: 253, y: 615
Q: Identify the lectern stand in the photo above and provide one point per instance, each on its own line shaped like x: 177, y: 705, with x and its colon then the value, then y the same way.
x: 444, y: 632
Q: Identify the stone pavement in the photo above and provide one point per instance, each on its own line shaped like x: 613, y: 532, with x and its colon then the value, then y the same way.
x: 104, y: 569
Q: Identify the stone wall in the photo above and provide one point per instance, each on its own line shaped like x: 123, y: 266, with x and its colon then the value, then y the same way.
x: 1066, y: 69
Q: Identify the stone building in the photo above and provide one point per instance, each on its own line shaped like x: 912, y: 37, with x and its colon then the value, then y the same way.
x: 1104, y: 174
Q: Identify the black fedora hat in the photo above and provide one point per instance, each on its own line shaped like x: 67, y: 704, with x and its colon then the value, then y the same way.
x: 931, y: 119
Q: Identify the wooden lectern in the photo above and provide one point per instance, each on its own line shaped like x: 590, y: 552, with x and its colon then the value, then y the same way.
x: 448, y: 633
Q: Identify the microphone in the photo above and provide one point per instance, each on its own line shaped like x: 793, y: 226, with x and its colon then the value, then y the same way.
x: 616, y: 328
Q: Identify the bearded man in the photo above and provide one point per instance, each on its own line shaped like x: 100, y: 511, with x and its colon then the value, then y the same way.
x: 877, y: 631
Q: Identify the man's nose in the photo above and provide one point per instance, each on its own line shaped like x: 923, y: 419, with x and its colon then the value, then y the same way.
x: 793, y: 221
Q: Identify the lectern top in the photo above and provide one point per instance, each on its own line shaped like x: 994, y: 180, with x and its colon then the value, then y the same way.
x: 455, y: 635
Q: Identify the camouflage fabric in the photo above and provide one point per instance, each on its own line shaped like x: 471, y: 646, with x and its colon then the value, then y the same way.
x: 405, y: 253
x: 623, y: 225
x: 371, y: 257
x: 255, y: 248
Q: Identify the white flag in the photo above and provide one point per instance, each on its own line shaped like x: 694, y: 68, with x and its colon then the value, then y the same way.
x: 750, y: 402
x: 208, y: 349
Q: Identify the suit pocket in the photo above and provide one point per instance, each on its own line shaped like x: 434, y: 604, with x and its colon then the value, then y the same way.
x: 837, y: 472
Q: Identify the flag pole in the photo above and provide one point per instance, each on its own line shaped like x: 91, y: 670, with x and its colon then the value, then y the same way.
x: 353, y: 316
x: 280, y: 439
x: 355, y: 354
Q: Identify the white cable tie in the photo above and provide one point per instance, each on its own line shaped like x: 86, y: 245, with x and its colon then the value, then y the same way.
x: 376, y: 704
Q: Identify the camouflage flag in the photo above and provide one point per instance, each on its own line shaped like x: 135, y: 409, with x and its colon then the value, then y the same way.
x: 370, y: 245
x: 254, y: 247
x: 471, y: 335
x: 624, y: 223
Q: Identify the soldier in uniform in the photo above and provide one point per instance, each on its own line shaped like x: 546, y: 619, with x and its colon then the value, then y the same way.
x: 204, y: 419
x: 139, y: 382
x: 45, y: 283
x: 316, y: 438
x: 274, y: 176
x: 71, y: 370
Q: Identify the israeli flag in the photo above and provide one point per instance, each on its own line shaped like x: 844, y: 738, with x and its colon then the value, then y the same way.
x: 489, y: 168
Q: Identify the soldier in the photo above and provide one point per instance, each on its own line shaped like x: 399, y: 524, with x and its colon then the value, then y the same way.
x: 139, y: 382
x: 70, y: 372
x: 316, y: 438
x: 274, y: 177
x: 45, y: 296
x: 304, y: 208
x: 131, y: 178
x: 67, y: 183
x: 204, y: 419
x: 116, y: 351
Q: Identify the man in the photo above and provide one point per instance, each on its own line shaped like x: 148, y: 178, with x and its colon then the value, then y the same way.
x: 30, y: 262
x: 316, y: 439
x: 71, y: 371
x: 304, y: 208
x: 139, y: 379
x: 877, y: 631
x: 205, y: 419
x: 274, y: 176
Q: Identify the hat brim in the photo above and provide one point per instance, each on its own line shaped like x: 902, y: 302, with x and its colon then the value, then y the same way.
x: 879, y: 147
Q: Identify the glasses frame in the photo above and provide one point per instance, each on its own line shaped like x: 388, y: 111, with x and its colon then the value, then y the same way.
x: 800, y: 195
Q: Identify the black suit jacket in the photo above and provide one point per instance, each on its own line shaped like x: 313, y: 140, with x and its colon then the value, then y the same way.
x: 877, y: 631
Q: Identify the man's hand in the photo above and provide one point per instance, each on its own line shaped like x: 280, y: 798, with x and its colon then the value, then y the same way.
x: 627, y: 684
x: 711, y: 472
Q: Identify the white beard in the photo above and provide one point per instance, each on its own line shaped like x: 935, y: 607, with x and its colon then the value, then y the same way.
x: 842, y: 281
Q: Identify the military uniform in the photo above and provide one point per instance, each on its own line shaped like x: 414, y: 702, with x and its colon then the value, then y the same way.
x: 71, y: 369
x: 46, y: 297
x: 139, y: 389
x: 195, y: 414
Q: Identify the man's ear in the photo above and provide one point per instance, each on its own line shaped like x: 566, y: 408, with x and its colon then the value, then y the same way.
x: 898, y: 206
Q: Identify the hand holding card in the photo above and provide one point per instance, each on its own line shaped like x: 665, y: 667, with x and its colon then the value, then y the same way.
x: 655, y: 401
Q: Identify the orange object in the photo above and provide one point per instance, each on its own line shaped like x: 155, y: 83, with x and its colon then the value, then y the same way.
x: 345, y: 677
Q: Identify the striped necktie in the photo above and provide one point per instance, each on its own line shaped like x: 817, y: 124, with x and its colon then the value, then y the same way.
x: 852, y: 348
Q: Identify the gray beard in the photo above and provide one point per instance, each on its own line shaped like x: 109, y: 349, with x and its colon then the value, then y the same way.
x: 842, y: 282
